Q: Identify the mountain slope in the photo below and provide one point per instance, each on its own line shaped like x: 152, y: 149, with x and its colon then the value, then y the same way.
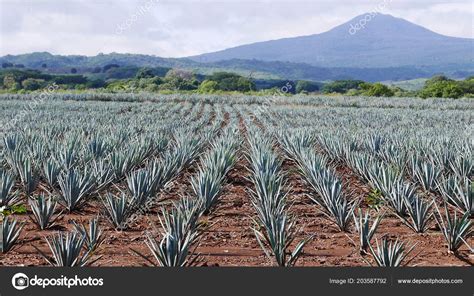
x: 385, y: 41
x: 36, y: 59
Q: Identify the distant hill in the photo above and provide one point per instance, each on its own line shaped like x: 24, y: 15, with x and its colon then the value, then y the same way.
x: 37, y: 59
x: 254, y: 68
x: 386, y: 41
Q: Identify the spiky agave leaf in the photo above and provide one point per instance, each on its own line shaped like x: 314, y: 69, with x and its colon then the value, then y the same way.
x: 118, y: 210
x: 207, y: 187
x: 294, y: 144
x: 93, y: 234
x: 275, y: 240
x: 75, y: 187
x: 141, y: 187
x: 270, y: 195
x: 190, y: 210
x: 462, y: 166
x: 66, y: 250
x: 362, y: 164
x: 325, y: 183
x: 427, y: 175
x: 384, y: 178
x: 310, y: 163
x: 12, y: 142
x: 171, y: 251
x: 455, y: 230
x: 178, y: 239
x: 98, y: 147
x: 66, y: 156
x: 341, y: 212
x: 220, y: 160
x: 447, y: 188
x: 390, y: 254
x: 11, y: 231
x: 28, y: 175
x: 465, y: 196
x: 458, y: 192
x: 401, y: 195
x: 163, y: 171
x: 214, y: 167
x: 51, y: 171
x: 394, y: 155
x: 419, y: 214
x: 122, y: 163
x: 262, y: 159
x: 374, y: 143
x: 103, y: 173
x: 37, y: 150
x: 336, y: 149
x: 43, y: 209
x: 7, y: 197
x: 365, y: 230
x: 330, y: 196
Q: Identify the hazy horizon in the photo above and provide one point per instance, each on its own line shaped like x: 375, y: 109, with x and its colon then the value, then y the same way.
x: 188, y: 27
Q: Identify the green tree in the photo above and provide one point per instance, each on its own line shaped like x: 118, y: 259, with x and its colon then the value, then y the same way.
x: 144, y: 73
x: 436, y: 79
x: 342, y: 86
x: 177, y: 79
x: 452, y: 90
x: 9, y: 81
x: 378, y: 90
x: 7, y: 65
x: 96, y: 83
x: 306, y: 86
x: 232, y: 82
x: 32, y: 84
x: 442, y: 89
x: 208, y: 86
x: 467, y: 85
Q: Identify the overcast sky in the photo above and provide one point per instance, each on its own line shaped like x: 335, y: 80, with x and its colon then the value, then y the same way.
x: 179, y: 28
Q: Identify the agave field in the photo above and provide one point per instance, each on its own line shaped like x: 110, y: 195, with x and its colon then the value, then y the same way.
x: 188, y: 180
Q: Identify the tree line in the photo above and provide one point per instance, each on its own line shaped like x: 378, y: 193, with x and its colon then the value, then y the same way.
x: 113, y: 78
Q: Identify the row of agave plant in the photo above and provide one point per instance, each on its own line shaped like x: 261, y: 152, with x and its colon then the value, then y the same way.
x: 67, y: 166
x: 215, y: 165
x: 76, y: 164
x: 299, y: 147
x: 443, y: 170
x: 144, y: 184
x: 315, y: 169
x: 304, y: 100
x: 50, y: 147
x: 74, y: 179
x: 73, y: 248
x: 430, y: 137
x: 275, y: 228
x: 179, y: 230
x: 322, y: 178
x: 401, y: 195
x: 70, y: 188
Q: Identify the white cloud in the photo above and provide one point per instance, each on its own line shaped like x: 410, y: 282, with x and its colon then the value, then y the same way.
x: 189, y: 27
